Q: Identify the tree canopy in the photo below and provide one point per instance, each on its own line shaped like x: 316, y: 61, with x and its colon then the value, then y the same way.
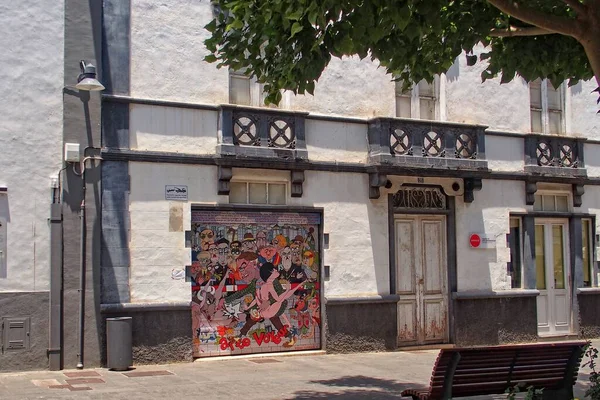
x: 286, y: 44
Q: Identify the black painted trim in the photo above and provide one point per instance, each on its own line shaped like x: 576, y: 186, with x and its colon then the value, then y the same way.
x: 116, y: 46
x: 481, y: 294
x: 388, y: 298
x: 179, y: 158
x: 112, y: 98
x: 141, y: 307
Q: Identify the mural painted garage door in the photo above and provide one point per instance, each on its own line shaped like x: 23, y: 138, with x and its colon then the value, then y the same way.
x: 255, y: 282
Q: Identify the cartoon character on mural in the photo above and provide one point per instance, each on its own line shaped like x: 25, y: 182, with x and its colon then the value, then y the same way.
x: 260, y: 292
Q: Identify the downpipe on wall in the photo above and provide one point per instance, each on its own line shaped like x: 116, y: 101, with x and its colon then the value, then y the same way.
x: 82, y: 263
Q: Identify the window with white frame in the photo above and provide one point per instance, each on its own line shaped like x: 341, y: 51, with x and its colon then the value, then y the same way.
x: 547, y: 107
x: 515, y: 265
x: 420, y: 102
x: 246, y: 91
x: 274, y: 193
x: 551, y: 202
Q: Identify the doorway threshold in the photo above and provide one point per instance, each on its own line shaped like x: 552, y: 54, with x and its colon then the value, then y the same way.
x: 438, y: 346
x: 558, y: 338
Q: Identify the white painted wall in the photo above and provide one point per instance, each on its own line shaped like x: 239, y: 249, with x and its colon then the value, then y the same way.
x: 585, y: 120
x: 336, y: 141
x: 485, y: 269
x: 154, y: 248
x: 173, y: 57
x: 351, y: 87
x: 170, y: 129
x: 167, y: 49
x: 505, y: 153
x: 501, y: 107
x: 31, y: 78
x: 358, y: 252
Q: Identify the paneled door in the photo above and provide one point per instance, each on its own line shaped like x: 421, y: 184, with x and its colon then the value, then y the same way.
x: 421, y: 279
x: 552, y: 277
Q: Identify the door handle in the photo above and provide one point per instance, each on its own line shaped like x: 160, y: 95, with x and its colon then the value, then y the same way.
x: 421, y: 281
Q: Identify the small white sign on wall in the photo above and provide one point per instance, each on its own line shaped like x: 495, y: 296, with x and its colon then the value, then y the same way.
x: 176, y: 192
x: 3, y: 247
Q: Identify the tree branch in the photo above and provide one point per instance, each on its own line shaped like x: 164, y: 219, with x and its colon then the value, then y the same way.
x: 580, y: 8
x: 537, y: 18
x: 518, y: 31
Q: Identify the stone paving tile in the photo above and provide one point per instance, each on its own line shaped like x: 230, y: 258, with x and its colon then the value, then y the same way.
x: 79, y: 388
x: 45, y: 382
x: 59, y: 386
x: 81, y: 374
x: 77, y: 381
x: 137, y: 374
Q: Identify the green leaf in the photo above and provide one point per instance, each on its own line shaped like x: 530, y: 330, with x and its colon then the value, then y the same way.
x: 210, y: 58
x: 296, y: 27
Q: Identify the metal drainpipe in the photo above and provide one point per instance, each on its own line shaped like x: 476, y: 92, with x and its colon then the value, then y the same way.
x: 56, y: 283
x: 81, y: 272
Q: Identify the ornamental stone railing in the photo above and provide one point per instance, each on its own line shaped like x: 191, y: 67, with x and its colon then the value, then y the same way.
x: 426, y: 143
x: 554, y: 155
x: 262, y: 133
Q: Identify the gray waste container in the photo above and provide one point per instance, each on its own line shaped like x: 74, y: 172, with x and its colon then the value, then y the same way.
x: 119, y: 343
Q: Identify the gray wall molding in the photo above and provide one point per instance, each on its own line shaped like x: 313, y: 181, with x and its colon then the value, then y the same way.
x: 116, y: 46
x: 116, y: 308
x: 115, y: 125
x: 385, y: 298
x: 115, y: 257
x: 250, y: 162
x: 491, y: 294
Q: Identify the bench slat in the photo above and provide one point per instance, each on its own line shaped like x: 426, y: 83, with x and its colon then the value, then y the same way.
x: 491, y: 370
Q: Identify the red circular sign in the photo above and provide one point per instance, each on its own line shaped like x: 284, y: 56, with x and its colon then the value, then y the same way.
x: 475, y: 240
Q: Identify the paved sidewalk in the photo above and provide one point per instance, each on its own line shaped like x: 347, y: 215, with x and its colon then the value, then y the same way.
x: 338, y: 376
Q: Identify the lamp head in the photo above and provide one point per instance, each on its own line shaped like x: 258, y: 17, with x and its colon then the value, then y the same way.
x: 87, y: 79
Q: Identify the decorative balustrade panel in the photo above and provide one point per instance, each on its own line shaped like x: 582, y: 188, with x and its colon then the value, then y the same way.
x: 554, y: 155
x: 251, y: 132
x: 432, y: 141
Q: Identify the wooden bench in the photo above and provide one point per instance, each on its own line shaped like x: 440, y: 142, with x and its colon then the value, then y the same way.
x: 463, y: 372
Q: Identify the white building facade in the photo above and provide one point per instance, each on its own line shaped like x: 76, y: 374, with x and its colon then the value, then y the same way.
x: 360, y: 218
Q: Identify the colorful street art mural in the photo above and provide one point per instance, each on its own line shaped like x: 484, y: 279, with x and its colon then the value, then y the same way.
x: 255, y: 282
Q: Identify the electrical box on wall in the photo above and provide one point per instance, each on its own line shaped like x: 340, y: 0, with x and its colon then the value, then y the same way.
x: 72, y: 152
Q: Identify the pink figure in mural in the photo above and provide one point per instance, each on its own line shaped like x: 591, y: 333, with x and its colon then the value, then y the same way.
x: 207, y: 302
x: 314, y: 311
x: 271, y: 303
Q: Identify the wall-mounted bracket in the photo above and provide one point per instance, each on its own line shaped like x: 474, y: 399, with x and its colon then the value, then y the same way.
x: 530, y: 189
x: 376, y: 180
x: 471, y: 185
x: 297, y: 179
x: 578, y: 191
x: 225, y: 174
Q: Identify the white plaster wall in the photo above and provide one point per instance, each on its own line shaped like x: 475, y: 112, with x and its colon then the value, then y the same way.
x: 155, y: 248
x: 501, y: 107
x: 505, y: 153
x: 173, y: 129
x: 585, y: 120
x: 336, y: 141
x: 591, y: 152
x: 485, y: 269
x: 167, y: 49
x: 358, y: 251
x: 31, y: 78
x: 352, y: 87
x: 358, y: 236
x: 591, y: 203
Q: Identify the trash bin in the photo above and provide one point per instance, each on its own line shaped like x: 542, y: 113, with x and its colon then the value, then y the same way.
x: 119, y: 343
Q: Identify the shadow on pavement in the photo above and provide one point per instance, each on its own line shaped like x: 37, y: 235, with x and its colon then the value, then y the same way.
x: 358, y: 387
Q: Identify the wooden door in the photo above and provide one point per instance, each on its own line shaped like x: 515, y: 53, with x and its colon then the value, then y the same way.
x: 552, y: 277
x: 421, y: 279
